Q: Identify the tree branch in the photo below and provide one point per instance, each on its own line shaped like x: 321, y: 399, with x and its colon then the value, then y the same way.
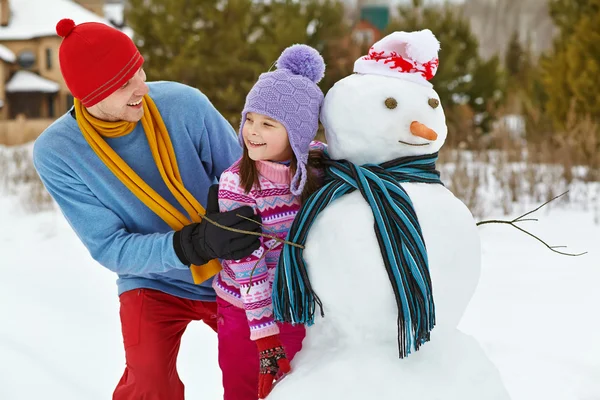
x: 278, y: 239
x: 513, y: 223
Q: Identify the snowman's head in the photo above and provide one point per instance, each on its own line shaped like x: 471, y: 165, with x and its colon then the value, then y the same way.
x: 387, y: 109
x: 372, y: 119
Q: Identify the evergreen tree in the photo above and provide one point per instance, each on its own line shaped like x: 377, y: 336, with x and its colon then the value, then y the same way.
x: 528, y: 88
x: 523, y: 85
x: 570, y: 73
x: 222, y: 46
x: 202, y: 43
x: 515, y: 57
x: 320, y: 24
x: 583, y: 55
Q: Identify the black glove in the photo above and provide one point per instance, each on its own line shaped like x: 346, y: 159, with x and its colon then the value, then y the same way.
x: 201, y: 242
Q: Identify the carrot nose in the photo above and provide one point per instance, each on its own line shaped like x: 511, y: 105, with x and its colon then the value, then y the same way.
x: 422, y: 130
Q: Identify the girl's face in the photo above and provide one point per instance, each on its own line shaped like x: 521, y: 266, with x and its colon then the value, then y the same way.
x: 266, y: 139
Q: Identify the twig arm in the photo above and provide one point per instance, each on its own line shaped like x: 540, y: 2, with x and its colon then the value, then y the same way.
x: 252, y: 233
x: 521, y: 219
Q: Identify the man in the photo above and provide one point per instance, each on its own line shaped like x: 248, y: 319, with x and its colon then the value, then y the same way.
x: 128, y: 166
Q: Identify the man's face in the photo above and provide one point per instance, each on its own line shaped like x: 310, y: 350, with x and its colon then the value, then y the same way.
x: 125, y: 104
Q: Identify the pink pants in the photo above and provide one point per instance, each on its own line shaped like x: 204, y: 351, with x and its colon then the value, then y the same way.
x: 238, y: 356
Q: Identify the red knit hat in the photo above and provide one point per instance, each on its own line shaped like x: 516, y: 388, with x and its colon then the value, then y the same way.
x: 95, y: 59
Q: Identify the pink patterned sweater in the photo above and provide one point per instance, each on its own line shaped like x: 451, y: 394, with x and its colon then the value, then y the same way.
x: 277, y: 208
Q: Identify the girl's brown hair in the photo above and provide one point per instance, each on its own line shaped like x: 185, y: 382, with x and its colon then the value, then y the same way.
x: 314, y: 173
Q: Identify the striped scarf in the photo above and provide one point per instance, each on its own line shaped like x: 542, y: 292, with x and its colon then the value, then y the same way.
x: 398, y: 234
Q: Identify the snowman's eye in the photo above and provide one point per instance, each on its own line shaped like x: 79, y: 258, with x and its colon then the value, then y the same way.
x: 433, y: 103
x: 391, y: 103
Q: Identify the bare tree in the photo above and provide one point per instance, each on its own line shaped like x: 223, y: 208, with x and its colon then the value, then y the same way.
x: 494, y: 21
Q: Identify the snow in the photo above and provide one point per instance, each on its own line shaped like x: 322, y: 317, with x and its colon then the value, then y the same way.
x: 514, y: 124
x: 534, y: 313
x: 544, y: 335
x: 114, y: 13
x: 60, y: 336
x: 6, y: 54
x: 38, y: 18
x: 359, y: 329
x: 128, y: 31
x: 27, y: 81
x: 346, y: 138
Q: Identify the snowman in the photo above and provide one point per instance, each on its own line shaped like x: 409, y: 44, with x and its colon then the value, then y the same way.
x: 391, y: 255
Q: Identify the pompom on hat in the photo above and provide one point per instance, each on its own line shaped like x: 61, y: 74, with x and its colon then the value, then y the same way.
x: 95, y: 59
x: 405, y: 55
x: 290, y: 95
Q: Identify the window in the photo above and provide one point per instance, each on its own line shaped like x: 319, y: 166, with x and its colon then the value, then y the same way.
x: 49, y: 58
x: 26, y: 59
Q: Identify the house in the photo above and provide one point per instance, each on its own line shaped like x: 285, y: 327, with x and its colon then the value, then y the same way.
x: 32, y: 91
x: 371, y: 25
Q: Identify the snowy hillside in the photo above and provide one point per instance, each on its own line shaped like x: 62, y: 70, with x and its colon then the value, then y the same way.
x: 534, y: 313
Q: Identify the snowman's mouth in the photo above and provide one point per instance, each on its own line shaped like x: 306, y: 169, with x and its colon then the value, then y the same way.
x: 413, y: 144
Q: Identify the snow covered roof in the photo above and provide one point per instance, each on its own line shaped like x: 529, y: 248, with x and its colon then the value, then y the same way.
x: 37, y: 18
x: 128, y: 31
x: 114, y: 13
x: 7, y: 55
x: 26, y: 81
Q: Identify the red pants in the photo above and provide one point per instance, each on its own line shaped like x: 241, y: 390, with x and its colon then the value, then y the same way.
x: 153, y: 323
x: 238, y: 356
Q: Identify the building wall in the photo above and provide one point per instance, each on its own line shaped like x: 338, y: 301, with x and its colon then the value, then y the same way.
x: 45, y: 49
x: 95, y: 6
x: 46, y: 65
x: 4, y: 73
x: 39, y: 47
x: 20, y: 130
x: 365, y: 34
x: 52, y: 71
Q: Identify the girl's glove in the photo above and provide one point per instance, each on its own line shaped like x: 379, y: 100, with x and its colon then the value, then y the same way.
x: 199, y: 243
x: 273, y: 363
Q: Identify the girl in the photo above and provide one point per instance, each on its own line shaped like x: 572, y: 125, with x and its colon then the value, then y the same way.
x: 278, y: 170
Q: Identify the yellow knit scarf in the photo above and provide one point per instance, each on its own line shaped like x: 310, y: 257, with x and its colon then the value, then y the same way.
x: 163, y: 153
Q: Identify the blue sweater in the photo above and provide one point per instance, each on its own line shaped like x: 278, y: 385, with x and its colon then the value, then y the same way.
x: 119, y: 231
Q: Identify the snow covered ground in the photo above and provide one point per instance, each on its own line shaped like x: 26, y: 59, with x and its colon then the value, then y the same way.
x: 535, y: 312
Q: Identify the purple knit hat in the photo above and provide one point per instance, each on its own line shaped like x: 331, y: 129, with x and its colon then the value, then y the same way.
x: 290, y: 95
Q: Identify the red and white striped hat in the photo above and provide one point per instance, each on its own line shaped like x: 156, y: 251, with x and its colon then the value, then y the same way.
x: 406, y: 55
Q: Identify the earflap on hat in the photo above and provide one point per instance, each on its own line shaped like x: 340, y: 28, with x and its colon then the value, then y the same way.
x: 406, y: 55
x: 299, y: 179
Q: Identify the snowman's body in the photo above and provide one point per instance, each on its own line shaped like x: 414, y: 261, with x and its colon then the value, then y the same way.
x: 352, y: 353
